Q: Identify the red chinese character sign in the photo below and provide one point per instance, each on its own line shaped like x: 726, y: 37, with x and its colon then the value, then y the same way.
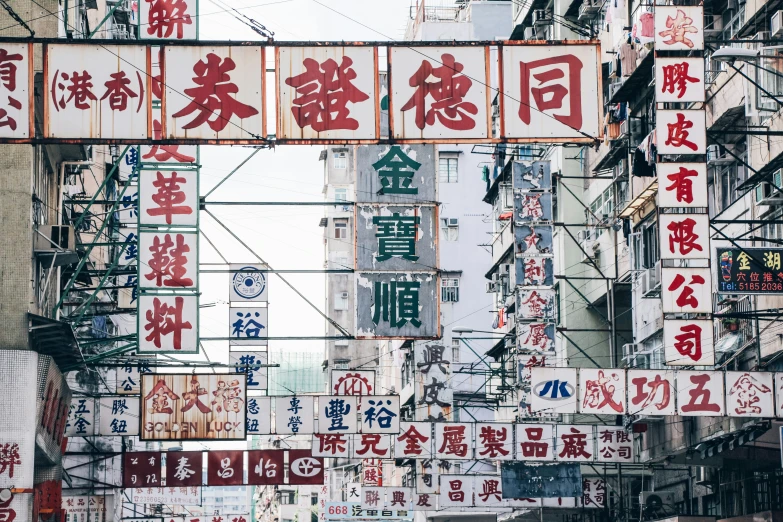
x: 679, y: 79
x: 168, y: 261
x: 453, y: 441
x: 535, y: 442
x: 439, y: 93
x: 16, y: 77
x: 168, y: 19
x: 574, y: 443
x: 679, y: 28
x: 193, y: 407
x: 688, y: 342
x: 225, y: 468
x: 749, y: 394
x: 684, y: 236
x: 651, y: 392
x: 682, y: 185
x: 700, y: 394
x: 168, y: 323
x: 414, y: 441
x: 601, y: 391
x: 686, y: 290
x: 550, y: 92
x: 681, y: 131
x: 168, y: 198
x: 265, y: 467
x: 494, y: 441
x: 614, y: 444
x: 456, y: 491
x: 303, y: 468
x: 327, y: 93
x: 96, y: 92
x: 214, y: 93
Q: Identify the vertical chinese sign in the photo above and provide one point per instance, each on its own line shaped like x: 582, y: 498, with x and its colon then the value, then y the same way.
x: 683, y: 222
x: 168, y: 249
x: 16, y: 95
x: 168, y: 19
x: 532, y: 223
x: 249, y: 325
x: 396, y: 244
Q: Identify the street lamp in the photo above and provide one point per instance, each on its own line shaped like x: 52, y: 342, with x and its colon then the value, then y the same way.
x: 465, y: 329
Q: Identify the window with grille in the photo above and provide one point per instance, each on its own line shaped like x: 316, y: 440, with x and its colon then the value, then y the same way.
x: 447, y: 170
x: 455, y: 350
x: 341, y: 364
x: 449, y: 229
x: 341, y: 194
x: 449, y: 289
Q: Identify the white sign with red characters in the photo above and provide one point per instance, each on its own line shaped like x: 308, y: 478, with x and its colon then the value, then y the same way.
x: 594, y: 494
x: 535, y: 442
x: 414, y: 441
x: 749, y: 394
x: 96, y: 91
x: 168, y: 323
x: 494, y: 441
x: 601, y: 391
x: 686, y: 290
x: 550, y: 92
x: 700, y: 394
x: 688, y: 342
x: 574, y: 443
x: 682, y: 185
x: 679, y: 28
x: 371, y: 446
x: 332, y: 445
x: 684, y: 236
x: 456, y: 491
x: 327, y: 93
x: 679, y: 80
x: 681, y: 131
x: 453, y: 441
x: 168, y: 198
x: 651, y: 392
x: 214, y: 92
x: 614, y: 444
x: 15, y: 80
x: 168, y: 19
x: 439, y: 93
x: 168, y: 261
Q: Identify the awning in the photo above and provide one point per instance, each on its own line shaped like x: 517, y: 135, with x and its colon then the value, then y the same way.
x: 613, y: 157
x: 635, y: 83
x: 55, y: 339
x: 728, y: 119
x: 640, y: 201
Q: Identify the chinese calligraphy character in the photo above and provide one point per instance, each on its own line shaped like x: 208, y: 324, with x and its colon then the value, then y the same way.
x: 331, y: 443
x: 214, y: 95
x: 686, y: 297
x: 682, y: 234
x: 166, y: 17
x: 677, y: 28
x: 413, y: 441
x: 534, y: 446
x: 430, y: 396
x: 689, y: 341
x: 682, y: 186
x: 397, y: 303
x: 396, y: 171
x: 118, y: 92
x: 454, y: 438
x: 167, y: 266
x: 447, y: 94
x: 191, y: 397
x: 600, y: 393
x: 169, y: 197
x: 550, y: 94
x: 492, y: 440
x: 772, y: 260
x: 160, y: 395
x: 324, y: 93
x: 247, y: 325
x: 700, y: 395
x: 379, y: 413
x: 370, y: 442
x: 675, y: 77
x: 574, y: 445
x: 163, y: 153
x: 166, y: 319
x: 748, y: 389
x: 678, y: 133
x: 79, y: 88
x: 336, y: 410
x: 433, y: 356
x: 396, y: 236
x: 659, y: 388
x: 455, y: 495
x: 9, y: 458
x: 489, y: 488
x: 184, y: 469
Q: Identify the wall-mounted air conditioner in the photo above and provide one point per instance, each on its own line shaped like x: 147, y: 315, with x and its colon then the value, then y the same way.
x: 776, y: 24
x: 651, y: 281
x: 770, y: 193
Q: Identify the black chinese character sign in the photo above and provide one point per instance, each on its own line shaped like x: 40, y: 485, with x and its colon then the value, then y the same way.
x: 750, y: 270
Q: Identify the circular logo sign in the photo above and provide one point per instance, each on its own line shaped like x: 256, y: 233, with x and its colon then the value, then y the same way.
x: 249, y: 285
x: 306, y: 467
x: 556, y: 390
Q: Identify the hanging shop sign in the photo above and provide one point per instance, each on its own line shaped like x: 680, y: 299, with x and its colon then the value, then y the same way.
x: 16, y: 93
x: 248, y: 283
x: 88, y: 508
x: 750, y: 270
x: 252, y: 365
x: 353, y: 510
x: 682, y: 185
x: 679, y: 28
x: 352, y: 382
x: 118, y: 416
x: 397, y: 305
x: 395, y: 237
x: 193, y: 407
x: 168, y: 323
x: 168, y: 198
x: 248, y: 326
x: 81, y: 418
x: 679, y: 79
x: 436, y: 93
x: 658, y: 392
x: 168, y: 260
x: 521, y: 480
x: 168, y: 19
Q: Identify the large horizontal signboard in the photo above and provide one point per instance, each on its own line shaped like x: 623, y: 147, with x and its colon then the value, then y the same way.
x: 215, y: 92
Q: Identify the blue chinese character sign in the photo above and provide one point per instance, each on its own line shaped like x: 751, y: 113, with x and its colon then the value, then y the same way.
x: 253, y: 364
x: 259, y: 415
x: 294, y: 415
x: 380, y: 414
x: 119, y: 416
x: 248, y: 326
x: 337, y: 414
x: 248, y: 284
x: 81, y: 418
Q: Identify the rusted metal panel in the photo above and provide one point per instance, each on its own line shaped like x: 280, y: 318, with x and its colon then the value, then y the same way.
x: 551, y: 93
x: 439, y: 93
x: 214, y: 92
x: 96, y: 91
x: 327, y: 93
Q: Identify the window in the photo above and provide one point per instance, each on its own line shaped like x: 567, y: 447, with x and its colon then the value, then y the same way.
x: 447, y: 170
x: 340, y: 260
x: 341, y: 301
x: 450, y: 229
x: 341, y: 229
x: 341, y: 364
x: 600, y: 209
x: 455, y: 350
x: 314, y: 499
x: 730, y: 177
x: 772, y: 231
x: 287, y: 497
x: 341, y: 194
x: 449, y: 289
x: 646, y: 249
x: 340, y: 160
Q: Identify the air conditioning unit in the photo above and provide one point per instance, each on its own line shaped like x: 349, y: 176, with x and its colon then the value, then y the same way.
x: 640, y: 361
x: 344, y: 295
x: 770, y: 193
x: 541, y: 17
x: 503, y: 270
x: 631, y: 349
x: 591, y: 248
x: 713, y: 25
x: 776, y: 24
x: 452, y: 222
x: 613, y: 88
x: 651, y: 282
x: 52, y: 238
x: 584, y: 235
x: 714, y: 156
x: 657, y: 502
x: 589, y: 10
x: 492, y: 287
x: 706, y: 476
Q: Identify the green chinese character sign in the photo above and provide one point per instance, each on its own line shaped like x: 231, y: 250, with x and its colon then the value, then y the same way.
x: 397, y: 305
